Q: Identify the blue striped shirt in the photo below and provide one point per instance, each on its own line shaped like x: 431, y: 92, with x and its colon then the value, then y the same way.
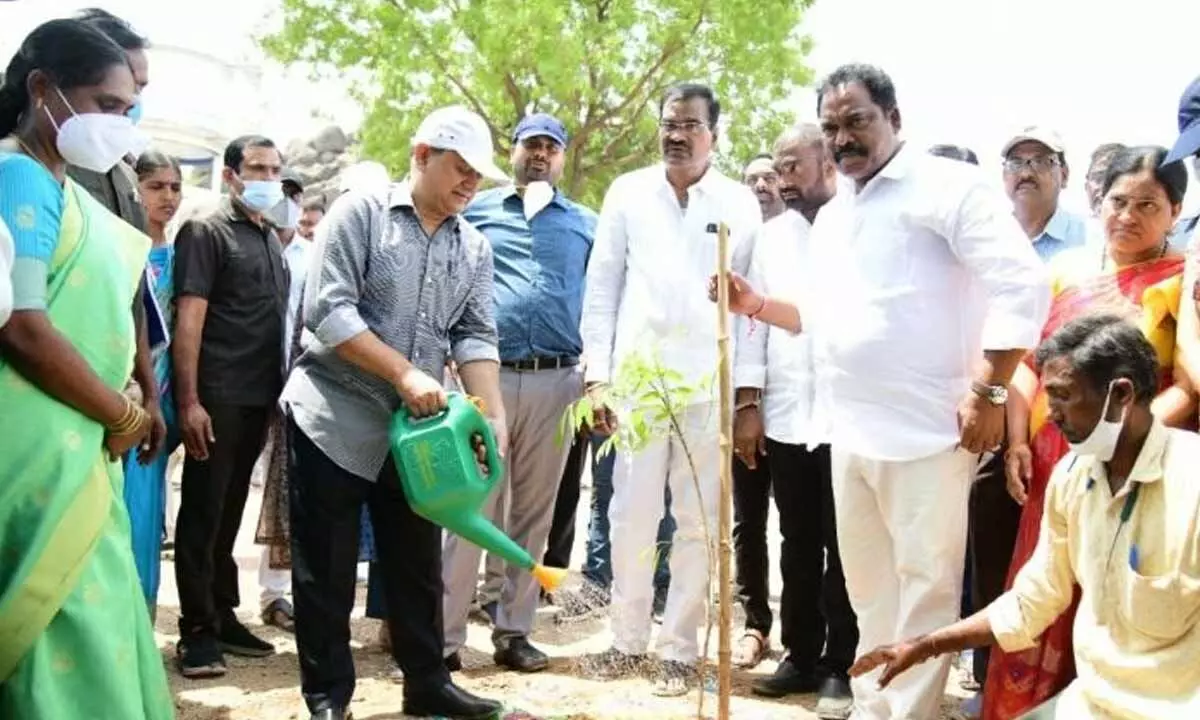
x: 540, y: 269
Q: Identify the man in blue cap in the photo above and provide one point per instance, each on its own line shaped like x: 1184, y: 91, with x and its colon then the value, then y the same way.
x: 541, y: 242
x: 1187, y: 147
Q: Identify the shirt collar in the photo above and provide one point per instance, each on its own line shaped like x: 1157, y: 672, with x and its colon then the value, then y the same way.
x: 1056, y: 228
x: 400, y: 195
x: 705, y: 184
x: 557, y: 199
x: 233, y: 212
x: 1148, y: 467
x: 899, y: 166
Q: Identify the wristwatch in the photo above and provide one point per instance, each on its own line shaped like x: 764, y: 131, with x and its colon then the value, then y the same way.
x: 995, y: 394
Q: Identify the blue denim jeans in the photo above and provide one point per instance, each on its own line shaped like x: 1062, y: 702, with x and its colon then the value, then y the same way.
x: 597, y: 568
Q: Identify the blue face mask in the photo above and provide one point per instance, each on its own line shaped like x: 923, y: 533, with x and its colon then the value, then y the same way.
x: 262, y: 195
x: 135, y: 112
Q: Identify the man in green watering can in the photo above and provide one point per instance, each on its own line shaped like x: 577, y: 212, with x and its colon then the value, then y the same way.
x: 398, y: 282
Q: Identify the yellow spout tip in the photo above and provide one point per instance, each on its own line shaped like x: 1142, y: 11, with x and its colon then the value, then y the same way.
x: 549, y: 577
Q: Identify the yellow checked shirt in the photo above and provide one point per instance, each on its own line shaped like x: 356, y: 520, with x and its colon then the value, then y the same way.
x: 1137, y: 636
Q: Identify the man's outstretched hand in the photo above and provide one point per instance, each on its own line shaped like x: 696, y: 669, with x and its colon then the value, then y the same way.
x: 895, y: 659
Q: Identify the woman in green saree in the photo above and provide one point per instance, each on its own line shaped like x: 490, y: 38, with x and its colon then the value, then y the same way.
x: 75, y: 635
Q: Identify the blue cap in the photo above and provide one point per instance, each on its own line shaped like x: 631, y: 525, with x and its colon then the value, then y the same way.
x: 1188, y: 143
x: 540, y: 124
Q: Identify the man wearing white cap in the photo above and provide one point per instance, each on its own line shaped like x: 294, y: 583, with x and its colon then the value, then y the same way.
x: 401, y: 280
x: 1035, y: 173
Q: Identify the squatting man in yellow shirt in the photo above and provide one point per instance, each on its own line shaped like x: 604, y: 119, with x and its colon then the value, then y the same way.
x: 1121, y: 521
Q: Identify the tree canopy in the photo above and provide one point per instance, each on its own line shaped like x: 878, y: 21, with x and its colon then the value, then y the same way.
x: 600, y: 66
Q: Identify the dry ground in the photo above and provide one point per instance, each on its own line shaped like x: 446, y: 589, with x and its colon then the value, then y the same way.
x: 268, y: 689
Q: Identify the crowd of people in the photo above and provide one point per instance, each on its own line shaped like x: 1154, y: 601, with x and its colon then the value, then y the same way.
x: 974, y: 412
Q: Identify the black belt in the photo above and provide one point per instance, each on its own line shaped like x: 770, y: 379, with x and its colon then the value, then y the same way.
x: 541, y: 363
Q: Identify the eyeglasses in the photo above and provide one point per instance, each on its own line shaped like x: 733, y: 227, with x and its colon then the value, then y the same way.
x: 691, y: 127
x: 1039, y: 164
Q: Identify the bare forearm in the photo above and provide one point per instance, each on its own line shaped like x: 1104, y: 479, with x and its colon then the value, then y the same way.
x: 48, y: 360
x: 999, y: 365
x: 780, y: 314
x: 972, y: 632
x: 1175, y: 406
x: 482, y: 379
x: 747, y: 394
x: 371, y: 355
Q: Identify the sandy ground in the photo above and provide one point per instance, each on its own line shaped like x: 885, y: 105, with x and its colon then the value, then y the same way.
x: 268, y: 689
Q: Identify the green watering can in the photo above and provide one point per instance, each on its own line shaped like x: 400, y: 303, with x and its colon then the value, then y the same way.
x: 443, y: 482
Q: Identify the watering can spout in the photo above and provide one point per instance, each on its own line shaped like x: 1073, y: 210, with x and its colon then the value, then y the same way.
x: 476, y: 529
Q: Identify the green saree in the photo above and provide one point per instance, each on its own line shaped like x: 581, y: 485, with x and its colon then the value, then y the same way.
x: 75, y: 635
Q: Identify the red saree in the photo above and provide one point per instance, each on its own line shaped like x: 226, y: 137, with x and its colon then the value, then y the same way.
x: 1148, y: 293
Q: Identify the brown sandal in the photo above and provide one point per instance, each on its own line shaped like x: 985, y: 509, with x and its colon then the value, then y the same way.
x: 750, y: 650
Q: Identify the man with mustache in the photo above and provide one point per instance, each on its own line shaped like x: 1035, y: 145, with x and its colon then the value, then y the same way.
x: 915, y: 376
x: 1120, y: 520
x: 760, y: 176
x: 654, y: 251
x: 1035, y: 172
x: 777, y: 411
x: 540, y: 243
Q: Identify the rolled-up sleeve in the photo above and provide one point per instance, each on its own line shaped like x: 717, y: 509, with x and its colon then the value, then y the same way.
x: 988, y: 240
x: 1044, y: 587
x: 474, y: 337
x: 605, y: 285
x: 336, y: 279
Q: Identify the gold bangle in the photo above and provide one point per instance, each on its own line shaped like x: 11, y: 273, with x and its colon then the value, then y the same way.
x: 130, y: 420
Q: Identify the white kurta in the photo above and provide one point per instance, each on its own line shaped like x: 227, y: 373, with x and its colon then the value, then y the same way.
x: 647, y: 290
x: 923, y: 269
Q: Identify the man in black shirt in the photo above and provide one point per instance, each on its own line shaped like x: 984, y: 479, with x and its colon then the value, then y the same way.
x: 230, y: 295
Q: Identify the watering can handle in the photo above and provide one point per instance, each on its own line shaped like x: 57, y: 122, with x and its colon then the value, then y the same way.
x: 494, y: 462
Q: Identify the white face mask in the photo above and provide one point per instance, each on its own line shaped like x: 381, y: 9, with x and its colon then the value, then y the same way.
x: 285, y: 215
x: 96, y: 141
x: 262, y: 195
x: 538, y: 195
x: 1102, y: 442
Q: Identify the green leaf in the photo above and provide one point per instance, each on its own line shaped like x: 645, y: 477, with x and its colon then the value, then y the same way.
x: 601, y: 67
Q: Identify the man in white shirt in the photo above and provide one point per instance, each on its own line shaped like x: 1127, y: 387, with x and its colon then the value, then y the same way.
x: 6, y: 261
x: 774, y: 370
x: 929, y: 295
x: 653, y: 252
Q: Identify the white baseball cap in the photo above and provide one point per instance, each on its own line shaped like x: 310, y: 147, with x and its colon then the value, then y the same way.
x: 466, y: 133
x: 1038, y: 134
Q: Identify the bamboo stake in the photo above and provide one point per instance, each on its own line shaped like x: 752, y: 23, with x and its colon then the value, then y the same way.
x: 724, y: 516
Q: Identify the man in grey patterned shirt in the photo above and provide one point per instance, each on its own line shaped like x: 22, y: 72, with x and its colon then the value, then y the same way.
x: 401, y: 282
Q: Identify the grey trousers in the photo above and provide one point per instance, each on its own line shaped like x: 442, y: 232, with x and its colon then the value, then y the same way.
x: 534, y: 403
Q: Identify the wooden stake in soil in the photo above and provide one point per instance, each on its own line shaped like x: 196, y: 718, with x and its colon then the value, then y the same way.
x: 724, y: 516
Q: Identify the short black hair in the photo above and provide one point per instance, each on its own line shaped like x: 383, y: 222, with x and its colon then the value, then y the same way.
x: 120, y: 31
x: 877, y: 83
x: 1102, y: 348
x: 1173, y: 178
x: 235, y: 151
x: 955, y: 152
x: 687, y: 91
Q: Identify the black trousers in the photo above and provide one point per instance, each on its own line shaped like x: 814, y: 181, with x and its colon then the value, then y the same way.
x: 818, y: 626
x: 326, y: 504
x: 562, y: 529
x: 992, y: 521
x: 210, y: 512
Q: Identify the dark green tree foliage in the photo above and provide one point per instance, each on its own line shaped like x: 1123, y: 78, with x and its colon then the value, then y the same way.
x: 599, y: 65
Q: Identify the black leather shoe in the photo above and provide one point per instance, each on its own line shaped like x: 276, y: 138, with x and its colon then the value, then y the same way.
x: 448, y: 701
x: 453, y: 662
x: 519, y: 655
x: 787, y: 680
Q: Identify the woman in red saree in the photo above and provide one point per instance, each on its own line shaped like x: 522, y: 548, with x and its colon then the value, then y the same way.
x: 1134, y: 273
